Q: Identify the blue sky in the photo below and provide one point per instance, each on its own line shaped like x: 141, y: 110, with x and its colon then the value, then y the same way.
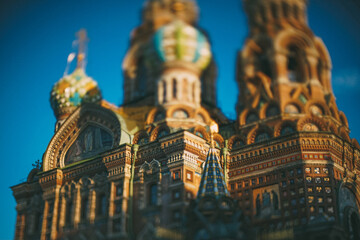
x: 36, y: 37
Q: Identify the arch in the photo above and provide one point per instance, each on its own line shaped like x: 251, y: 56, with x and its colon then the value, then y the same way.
x: 316, y: 107
x: 344, y: 134
x: 236, y: 141
x: 158, y: 132
x: 311, y: 123
x: 248, y: 116
x: 332, y: 127
x: 201, y: 132
x: 155, y: 115
x: 141, y: 137
x: 269, y: 109
x: 91, y: 139
x: 293, y: 107
x: 255, y: 134
x: 219, y: 141
x: 179, y: 107
x: 323, y: 52
x: 343, y: 119
x: 284, y: 128
x: 334, y: 112
x: 75, y: 123
x: 292, y: 37
x: 204, y: 114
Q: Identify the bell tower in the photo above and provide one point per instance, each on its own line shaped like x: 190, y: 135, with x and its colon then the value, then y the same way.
x: 283, y: 69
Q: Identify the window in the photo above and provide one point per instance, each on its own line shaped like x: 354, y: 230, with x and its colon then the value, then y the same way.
x: 84, y: 208
x: 101, y: 205
x: 153, y: 195
x: 262, y: 137
x: 176, y: 194
x: 174, y: 88
x: 117, y: 225
x: 252, y: 117
x: 118, y: 207
x: 189, y: 175
x: 118, y: 191
x: 164, y: 91
x: 294, y: 65
x: 176, y: 175
x: 261, y: 180
x: 68, y: 214
x: 176, y: 215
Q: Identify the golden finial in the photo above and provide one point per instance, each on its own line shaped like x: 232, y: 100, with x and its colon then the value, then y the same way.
x: 214, y: 128
x: 82, y: 44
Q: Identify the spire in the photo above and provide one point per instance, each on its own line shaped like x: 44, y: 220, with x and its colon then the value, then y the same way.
x: 82, y: 45
x: 76, y: 88
x: 212, y: 180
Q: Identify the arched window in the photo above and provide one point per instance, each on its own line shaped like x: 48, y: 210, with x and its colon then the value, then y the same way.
x: 261, y: 137
x: 262, y: 64
x: 252, y: 117
x: 286, y: 10
x: 162, y: 133
x: 164, y: 91
x: 274, y: 11
x: 68, y: 213
x: 84, y: 208
x: 185, y: 90
x: 286, y: 130
x: 237, y: 143
x: 101, y: 205
x: 295, y: 70
x: 296, y: 12
x: 141, y: 78
x: 153, y: 194
x: 272, y: 110
x: 174, y: 88
x: 181, y: 114
x: 291, y: 109
x: 199, y: 134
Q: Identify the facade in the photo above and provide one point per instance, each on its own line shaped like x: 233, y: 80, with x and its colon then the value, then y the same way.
x: 154, y: 168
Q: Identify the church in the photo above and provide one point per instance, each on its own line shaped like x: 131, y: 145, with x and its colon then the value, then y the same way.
x: 168, y: 164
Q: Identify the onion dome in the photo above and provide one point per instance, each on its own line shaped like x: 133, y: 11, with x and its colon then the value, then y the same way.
x: 212, y: 180
x: 179, y: 43
x: 73, y: 90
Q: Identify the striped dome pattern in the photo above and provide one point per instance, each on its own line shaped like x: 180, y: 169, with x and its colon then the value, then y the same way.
x: 179, y: 41
x: 212, y: 179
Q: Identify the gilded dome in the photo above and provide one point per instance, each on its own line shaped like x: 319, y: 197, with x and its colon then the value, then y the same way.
x: 73, y: 90
x: 179, y: 42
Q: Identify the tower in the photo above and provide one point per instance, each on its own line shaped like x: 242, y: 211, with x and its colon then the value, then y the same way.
x: 291, y: 154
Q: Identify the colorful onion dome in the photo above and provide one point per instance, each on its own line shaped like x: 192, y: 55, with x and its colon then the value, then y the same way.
x: 73, y: 90
x: 179, y: 42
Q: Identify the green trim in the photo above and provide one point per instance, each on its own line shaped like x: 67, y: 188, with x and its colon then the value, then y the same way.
x: 80, y: 162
